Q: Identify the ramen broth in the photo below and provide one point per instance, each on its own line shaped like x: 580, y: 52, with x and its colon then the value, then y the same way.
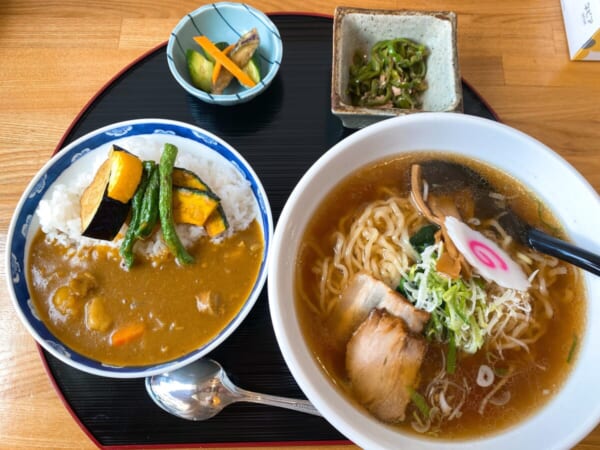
x: 533, y: 375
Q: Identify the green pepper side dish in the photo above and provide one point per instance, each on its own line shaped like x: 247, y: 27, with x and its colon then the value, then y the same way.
x: 165, y: 206
x: 392, y: 75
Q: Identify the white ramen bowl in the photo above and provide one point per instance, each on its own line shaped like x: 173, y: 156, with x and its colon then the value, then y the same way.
x: 77, y: 158
x: 575, y: 410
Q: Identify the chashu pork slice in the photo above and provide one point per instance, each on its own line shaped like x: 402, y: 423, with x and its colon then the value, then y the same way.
x: 364, y: 293
x: 383, y: 359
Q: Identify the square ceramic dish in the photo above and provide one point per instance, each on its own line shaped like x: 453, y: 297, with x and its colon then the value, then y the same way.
x: 359, y: 29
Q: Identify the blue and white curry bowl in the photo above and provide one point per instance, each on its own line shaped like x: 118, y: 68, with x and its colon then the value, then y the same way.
x: 225, y: 22
x: 75, y: 159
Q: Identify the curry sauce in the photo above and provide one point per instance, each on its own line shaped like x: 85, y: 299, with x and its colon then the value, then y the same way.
x: 150, y: 314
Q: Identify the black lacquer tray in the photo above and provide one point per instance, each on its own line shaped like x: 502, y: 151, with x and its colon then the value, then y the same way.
x: 281, y: 133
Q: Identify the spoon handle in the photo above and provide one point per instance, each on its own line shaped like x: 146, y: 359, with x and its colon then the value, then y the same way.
x: 282, y: 402
x: 563, y: 250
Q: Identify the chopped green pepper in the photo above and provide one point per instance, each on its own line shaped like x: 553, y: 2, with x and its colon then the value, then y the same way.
x: 393, y: 74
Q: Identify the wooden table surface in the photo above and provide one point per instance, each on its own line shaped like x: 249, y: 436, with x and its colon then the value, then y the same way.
x: 56, y: 54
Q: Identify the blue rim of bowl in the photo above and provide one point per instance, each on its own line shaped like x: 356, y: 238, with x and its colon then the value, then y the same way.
x: 16, y: 245
x: 247, y: 94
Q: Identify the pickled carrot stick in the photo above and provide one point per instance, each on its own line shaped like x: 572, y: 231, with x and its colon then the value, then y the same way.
x: 218, y: 55
x: 218, y: 65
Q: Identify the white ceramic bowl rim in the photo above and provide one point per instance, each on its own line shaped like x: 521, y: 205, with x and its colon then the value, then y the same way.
x: 275, y: 59
x: 18, y: 232
x: 572, y: 412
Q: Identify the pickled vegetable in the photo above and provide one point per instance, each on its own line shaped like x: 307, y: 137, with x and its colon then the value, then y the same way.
x: 234, y: 63
x: 252, y: 69
x: 200, y: 69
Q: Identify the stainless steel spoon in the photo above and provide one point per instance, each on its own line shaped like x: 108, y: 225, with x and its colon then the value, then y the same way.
x: 202, y: 389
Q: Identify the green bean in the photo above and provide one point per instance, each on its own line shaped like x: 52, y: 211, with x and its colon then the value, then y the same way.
x: 126, y: 249
x: 165, y: 206
x: 400, y: 63
x: 149, y: 209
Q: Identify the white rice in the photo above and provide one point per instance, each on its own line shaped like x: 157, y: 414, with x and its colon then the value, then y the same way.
x: 59, y: 211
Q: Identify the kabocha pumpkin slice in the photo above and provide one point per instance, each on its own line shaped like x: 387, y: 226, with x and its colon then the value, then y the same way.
x: 216, y: 222
x: 105, y: 202
x: 186, y: 178
x: 125, y: 174
x: 193, y: 206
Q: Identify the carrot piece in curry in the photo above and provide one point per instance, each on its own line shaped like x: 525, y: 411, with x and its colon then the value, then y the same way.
x: 127, y: 334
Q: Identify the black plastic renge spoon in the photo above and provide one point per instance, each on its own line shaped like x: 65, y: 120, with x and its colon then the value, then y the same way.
x: 446, y: 177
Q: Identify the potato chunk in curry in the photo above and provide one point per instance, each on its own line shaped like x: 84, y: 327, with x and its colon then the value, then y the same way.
x: 96, y: 316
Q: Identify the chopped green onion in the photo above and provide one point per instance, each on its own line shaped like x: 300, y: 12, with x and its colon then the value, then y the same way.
x: 451, y: 358
x: 457, y: 306
x: 401, y: 287
x: 419, y: 402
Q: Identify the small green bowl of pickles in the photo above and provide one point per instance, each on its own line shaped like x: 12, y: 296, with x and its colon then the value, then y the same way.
x: 206, y: 42
x: 388, y: 63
